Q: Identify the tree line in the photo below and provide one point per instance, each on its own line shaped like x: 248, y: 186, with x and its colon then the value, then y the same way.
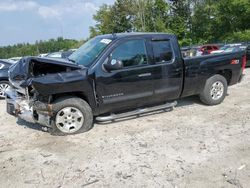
x: 193, y: 21
x: 40, y: 47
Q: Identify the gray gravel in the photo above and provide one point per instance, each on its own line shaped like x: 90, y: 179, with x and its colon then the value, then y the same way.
x: 193, y: 146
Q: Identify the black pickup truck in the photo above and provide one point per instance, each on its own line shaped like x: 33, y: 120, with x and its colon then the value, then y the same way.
x: 115, y: 76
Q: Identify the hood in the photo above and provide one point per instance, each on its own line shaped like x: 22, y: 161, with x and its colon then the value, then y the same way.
x: 39, y: 72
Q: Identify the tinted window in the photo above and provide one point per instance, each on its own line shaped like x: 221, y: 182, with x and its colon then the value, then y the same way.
x: 131, y: 53
x: 162, y: 51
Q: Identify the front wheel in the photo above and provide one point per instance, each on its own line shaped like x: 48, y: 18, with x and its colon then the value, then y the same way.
x: 71, y: 115
x: 215, y: 90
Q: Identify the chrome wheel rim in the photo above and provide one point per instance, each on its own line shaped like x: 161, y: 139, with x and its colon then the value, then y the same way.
x: 3, y: 87
x: 69, y: 120
x: 217, y: 90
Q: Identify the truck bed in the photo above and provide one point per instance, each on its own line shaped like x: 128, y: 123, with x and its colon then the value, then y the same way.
x: 198, y: 69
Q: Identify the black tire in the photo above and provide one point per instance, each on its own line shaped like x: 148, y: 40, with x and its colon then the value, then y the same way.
x: 6, y: 83
x: 76, y: 103
x: 206, y: 96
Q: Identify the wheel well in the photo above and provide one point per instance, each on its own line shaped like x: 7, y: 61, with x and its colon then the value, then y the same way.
x: 226, y: 74
x: 76, y: 94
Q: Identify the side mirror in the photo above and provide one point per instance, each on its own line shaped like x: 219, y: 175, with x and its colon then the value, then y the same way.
x: 113, y: 64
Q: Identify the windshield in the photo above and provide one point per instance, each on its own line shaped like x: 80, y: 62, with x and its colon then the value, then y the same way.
x: 89, y: 51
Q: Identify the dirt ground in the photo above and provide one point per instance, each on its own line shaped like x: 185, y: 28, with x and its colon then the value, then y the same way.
x: 192, y: 146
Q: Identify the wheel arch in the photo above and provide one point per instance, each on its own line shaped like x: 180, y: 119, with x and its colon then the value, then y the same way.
x: 4, y: 79
x: 78, y: 94
x: 227, y: 74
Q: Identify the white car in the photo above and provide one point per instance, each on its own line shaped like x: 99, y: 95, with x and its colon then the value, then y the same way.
x: 15, y: 59
x: 226, y: 48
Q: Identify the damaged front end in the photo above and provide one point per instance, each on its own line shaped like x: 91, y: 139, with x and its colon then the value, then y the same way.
x: 34, y: 84
x: 22, y: 106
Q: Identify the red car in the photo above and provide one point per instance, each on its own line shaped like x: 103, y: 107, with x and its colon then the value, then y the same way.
x: 207, y: 49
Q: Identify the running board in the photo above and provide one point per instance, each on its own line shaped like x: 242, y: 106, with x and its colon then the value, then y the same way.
x: 136, y: 112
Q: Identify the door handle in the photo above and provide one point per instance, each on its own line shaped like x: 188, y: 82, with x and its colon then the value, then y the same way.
x: 144, y: 75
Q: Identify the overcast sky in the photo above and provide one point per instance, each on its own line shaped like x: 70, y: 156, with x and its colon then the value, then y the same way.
x: 31, y: 20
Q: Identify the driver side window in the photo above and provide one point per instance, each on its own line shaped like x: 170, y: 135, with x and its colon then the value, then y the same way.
x: 131, y: 53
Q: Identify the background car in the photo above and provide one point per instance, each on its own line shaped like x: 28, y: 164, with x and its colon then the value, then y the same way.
x: 191, y: 51
x: 206, y: 49
x: 234, y: 49
x: 43, y: 55
x: 4, y: 81
x: 248, y: 55
x: 61, y: 54
x: 185, y: 51
x: 228, y: 47
x: 15, y: 59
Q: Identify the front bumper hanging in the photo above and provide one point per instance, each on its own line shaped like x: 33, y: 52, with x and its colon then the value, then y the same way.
x: 20, y: 106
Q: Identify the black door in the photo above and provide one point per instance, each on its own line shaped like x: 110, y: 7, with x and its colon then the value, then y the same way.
x: 168, y: 73
x: 130, y: 86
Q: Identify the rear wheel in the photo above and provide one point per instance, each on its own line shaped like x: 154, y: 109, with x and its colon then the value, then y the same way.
x: 3, y: 86
x: 71, y: 115
x: 215, y: 90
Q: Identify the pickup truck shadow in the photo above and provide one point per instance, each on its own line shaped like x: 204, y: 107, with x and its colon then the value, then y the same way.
x: 188, y: 101
x: 180, y: 103
x: 34, y: 126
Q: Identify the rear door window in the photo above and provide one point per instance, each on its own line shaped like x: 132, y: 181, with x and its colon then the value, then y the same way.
x: 162, y: 51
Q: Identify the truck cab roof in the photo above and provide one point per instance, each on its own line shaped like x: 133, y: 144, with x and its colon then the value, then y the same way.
x: 136, y: 34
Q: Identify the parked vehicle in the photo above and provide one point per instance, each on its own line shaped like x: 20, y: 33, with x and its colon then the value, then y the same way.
x: 110, y: 75
x: 62, y: 54
x: 43, y: 55
x: 206, y: 49
x: 185, y: 51
x: 222, y: 49
x: 235, y: 49
x: 15, y: 59
x: 229, y: 48
x: 4, y: 81
x: 248, y: 55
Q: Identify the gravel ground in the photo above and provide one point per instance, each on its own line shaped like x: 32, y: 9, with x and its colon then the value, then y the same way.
x: 192, y: 146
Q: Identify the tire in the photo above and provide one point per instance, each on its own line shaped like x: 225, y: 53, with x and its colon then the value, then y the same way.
x: 71, y: 115
x: 215, y: 90
x: 3, y: 86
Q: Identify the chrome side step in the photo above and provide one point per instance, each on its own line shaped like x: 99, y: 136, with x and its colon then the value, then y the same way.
x: 136, y: 112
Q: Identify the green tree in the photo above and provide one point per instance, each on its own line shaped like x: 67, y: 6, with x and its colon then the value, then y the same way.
x: 180, y: 21
x: 215, y: 21
x: 104, y: 21
x: 113, y: 19
x: 131, y: 15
